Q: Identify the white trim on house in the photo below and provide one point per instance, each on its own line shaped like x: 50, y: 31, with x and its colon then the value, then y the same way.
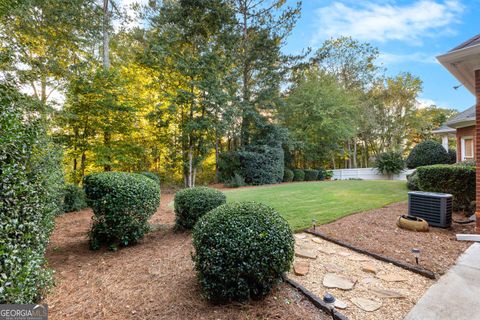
x: 462, y: 146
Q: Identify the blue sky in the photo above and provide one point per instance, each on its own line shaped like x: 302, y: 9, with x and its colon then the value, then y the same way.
x: 409, y: 35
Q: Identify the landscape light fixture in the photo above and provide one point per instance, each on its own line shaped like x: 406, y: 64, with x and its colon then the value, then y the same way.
x: 330, y: 301
x: 416, y: 254
x: 314, y: 223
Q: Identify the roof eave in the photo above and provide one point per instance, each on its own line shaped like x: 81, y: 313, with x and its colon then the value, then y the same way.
x: 462, y: 124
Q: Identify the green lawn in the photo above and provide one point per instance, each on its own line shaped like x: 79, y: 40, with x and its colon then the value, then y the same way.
x: 324, y: 201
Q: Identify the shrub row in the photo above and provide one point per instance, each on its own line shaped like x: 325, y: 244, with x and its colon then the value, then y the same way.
x: 122, y: 203
x: 458, y: 180
x: 31, y: 184
x: 306, y: 175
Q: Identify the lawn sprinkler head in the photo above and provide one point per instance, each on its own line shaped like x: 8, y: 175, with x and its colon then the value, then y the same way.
x: 314, y: 223
x: 416, y: 254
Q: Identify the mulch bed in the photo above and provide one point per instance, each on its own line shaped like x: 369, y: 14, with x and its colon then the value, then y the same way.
x: 154, y: 279
x: 376, y: 231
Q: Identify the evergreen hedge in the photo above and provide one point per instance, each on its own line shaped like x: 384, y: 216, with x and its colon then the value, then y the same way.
x: 298, y: 175
x: 427, y: 153
x: 287, y: 175
x: 74, y: 198
x: 311, y: 175
x: 31, y: 187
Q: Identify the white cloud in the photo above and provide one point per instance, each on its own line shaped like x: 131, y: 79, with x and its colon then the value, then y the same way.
x: 371, y: 21
x: 423, y: 103
x: 392, y: 58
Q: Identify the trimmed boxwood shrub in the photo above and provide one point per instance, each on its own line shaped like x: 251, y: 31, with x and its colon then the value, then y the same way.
x: 287, y: 175
x: 298, y: 175
x: 192, y: 203
x: 427, y: 153
x: 458, y: 180
x: 452, y: 153
x: 122, y: 203
x: 321, y: 174
x: 241, y: 250
x: 311, y: 175
x: 31, y: 191
x: 151, y: 175
x: 74, y: 198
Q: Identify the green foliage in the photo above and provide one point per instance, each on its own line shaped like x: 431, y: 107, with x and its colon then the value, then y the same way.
x: 458, y: 180
x: 287, y: 175
x: 298, y: 175
x: 452, y: 153
x: 228, y: 166
x: 311, y: 175
x: 322, y: 174
x: 328, y: 174
x: 390, y: 163
x: 261, y: 165
x: 427, y: 153
x: 151, y: 175
x: 241, y: 250
x: 122, y: 203
x: 74, y: 198
x: 236, y: 181
x: 31, y: 183
x: 192, y: 203
x: 412, y: 181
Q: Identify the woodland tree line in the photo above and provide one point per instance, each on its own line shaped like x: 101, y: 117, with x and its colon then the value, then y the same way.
x: 184, y: 82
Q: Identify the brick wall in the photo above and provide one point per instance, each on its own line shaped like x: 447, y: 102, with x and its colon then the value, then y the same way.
x: 465, y: 132
x: 477, y: 146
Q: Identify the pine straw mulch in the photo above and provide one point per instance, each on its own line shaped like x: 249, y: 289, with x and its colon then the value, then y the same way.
x: 376, y: 231
x: 154, y: 279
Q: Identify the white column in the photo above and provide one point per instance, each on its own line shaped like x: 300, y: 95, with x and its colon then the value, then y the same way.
x: 445, y: 142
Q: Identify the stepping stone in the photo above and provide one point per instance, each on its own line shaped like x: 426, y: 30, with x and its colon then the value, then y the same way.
x: 305, y: 253
x: 369, y: 267
x: 358, y: 258
x: 301, y: 268
x: 344, y: 253
x: 339, y: 304
x: 366, y: 304
x: 382, y: 293
x: 318, y: 240
x: 391, y: 277
x: 332, y: 268
x: 300, y: 236
x: 331, y: 280
x: 326, y: 250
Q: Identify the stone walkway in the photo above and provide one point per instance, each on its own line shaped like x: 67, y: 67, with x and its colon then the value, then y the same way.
x: 365, y: 288
x: 456, y: 295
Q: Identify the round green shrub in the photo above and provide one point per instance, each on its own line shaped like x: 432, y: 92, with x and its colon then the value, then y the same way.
x: 151, y: 175
x: 321, y: 174
x: 452, y: 153
x: 287, y: 175
x: 192, y: 203
x: 241, y: 250
x: 427, y: 153
x: 390, y: 163
x: 311, y: 175
x: 122, y: 203
x: 74, y: 198
x: 298, y: 175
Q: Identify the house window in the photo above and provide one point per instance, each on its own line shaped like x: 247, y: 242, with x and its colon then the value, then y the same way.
x: 467, y: 148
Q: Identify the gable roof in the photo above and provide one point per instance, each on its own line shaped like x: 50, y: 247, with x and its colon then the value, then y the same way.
x: 469, y: 43
x: 464, y: 117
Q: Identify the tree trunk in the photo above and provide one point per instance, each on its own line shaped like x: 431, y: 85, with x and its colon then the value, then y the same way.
x: 106, y: 38
x: 217, y: 156
x: 355, y: 152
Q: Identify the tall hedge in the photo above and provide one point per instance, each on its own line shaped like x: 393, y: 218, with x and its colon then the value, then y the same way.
x: 122, y: 203
x: 427, y: 153
x: 31, y: 184
x: 458, y: 180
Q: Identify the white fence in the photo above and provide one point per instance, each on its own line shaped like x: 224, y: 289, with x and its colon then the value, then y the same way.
x: 367, y: 174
